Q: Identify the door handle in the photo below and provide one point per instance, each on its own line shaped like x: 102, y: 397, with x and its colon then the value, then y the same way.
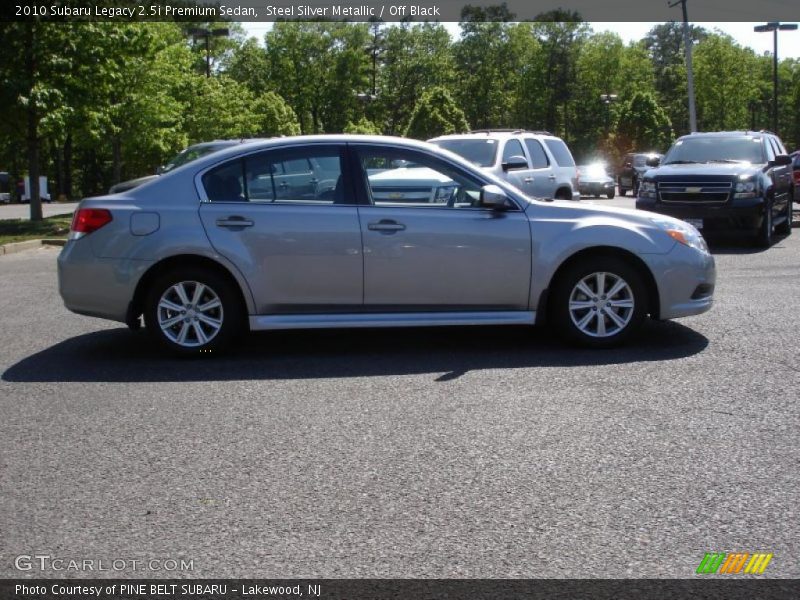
x: 528, y: 180
x: 234, y: 221
x: 551, y: 177
x: 386, y: 225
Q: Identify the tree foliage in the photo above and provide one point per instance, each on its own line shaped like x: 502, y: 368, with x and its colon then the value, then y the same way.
x: 436, y: 113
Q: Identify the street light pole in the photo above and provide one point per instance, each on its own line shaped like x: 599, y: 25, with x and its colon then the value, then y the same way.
x: 607, y: 99
x: 774, y: 26
x: 687, y: 45
x: 207, y: 33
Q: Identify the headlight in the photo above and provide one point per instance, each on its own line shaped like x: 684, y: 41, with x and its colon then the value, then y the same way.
x: 684, y: 233
x: 445, y: 193
x: 746, y: 189
x: 647, y: 189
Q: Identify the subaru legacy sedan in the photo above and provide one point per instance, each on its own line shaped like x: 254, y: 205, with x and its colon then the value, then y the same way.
x: 369, y: 231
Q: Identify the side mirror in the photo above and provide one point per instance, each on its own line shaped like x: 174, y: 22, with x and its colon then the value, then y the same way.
x: 515, y: 163
x: 652, y: 161
x: 783, y: 159
x: 494, y: 197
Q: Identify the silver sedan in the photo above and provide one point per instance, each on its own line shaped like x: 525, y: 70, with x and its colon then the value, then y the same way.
x: 369, y: 231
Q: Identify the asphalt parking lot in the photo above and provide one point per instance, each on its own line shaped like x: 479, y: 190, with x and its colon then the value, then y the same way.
x: 420, y: 453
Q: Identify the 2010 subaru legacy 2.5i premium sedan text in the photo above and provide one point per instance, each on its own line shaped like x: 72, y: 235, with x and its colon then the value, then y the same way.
x: 369, y: 231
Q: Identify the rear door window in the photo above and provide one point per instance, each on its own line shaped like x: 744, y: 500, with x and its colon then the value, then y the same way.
x: 512, y: 148
x: 560, y: 152
x: 539, y: 159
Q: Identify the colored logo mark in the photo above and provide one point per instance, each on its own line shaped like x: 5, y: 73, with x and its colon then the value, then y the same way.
x: 734, y: 563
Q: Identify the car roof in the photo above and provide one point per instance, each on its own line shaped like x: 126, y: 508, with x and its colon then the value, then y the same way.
x: 482, y: 134
x: 744, y: 133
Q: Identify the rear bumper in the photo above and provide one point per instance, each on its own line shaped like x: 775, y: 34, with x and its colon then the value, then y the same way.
x: 97, y: 287
x: 736, y: 215
x: 596, y: 187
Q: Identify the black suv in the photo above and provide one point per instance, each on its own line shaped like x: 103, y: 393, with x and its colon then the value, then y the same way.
x: 723, y: 181
x: 631, y: 170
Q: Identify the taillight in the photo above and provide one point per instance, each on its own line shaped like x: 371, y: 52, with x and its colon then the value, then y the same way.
x: 797, y: 177
x: 87, y: 220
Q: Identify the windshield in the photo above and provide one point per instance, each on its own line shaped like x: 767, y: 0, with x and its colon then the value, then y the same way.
x: 193, y: 153
x: 716, y: 149
x: 477, y: 151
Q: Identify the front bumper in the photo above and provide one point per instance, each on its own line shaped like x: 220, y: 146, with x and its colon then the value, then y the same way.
x: 685, y: 279
x: 735, y: 215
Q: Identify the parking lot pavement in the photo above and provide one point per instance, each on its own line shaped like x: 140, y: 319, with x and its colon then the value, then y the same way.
x: 420, y: 453
x: 49, y: 209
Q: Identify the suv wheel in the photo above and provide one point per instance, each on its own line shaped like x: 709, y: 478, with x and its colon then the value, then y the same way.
x: 610, y: 194
x: 192, y: 311
x: 599, y: 303
x: 764, y: 233
x: 785, y: 228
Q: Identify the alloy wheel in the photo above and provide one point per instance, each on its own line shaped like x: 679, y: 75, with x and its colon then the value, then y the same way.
x: 190, y: 314
x: 601, y: 304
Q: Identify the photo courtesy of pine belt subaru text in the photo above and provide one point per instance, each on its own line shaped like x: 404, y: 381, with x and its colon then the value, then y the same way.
x: 736, y: 182
x: 369, y: 231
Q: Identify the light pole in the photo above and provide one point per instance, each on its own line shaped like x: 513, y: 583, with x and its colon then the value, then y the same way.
x: 774, y: 26
x: 207, y: 33
x: 607, y: 99
x: 687, y: 46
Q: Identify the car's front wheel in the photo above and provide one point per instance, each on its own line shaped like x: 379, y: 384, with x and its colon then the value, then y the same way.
x: 193, y: 311
x: 599, y: 303
x: 785, y: 228
x: 764, y: 233
x: 610, y: 194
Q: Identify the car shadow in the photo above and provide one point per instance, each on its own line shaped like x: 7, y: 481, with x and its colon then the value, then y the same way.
x: 118, y: 355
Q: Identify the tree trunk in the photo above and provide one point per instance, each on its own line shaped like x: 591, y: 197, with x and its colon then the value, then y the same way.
x: 68, y: 167
x: 116, y: 146
x: 33, y: 128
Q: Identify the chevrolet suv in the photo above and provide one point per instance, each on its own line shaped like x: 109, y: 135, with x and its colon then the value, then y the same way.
x: 535, y: 162
x: 734, y: 181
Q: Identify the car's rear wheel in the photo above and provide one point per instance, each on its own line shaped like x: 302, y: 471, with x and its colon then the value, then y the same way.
x: 599, y: 303
x: 785, y: 228
x: 610, y: 194
x: 622, y: 191
x: 192, y: 311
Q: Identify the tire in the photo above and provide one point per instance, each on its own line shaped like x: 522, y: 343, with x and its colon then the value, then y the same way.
x: 785, y: 228
x: 193, y: 335
x: 635, y: 190
x: 765, y: 230
x: 610, y: 194
x: 622, y: 191
x: 563, y: 194
x: 589, y: 319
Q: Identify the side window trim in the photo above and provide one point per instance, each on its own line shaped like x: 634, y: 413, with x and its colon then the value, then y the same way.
x: 345, y: 174
x: 360, y: 181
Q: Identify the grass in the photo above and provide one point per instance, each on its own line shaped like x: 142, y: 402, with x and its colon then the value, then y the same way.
x: 19, y: 230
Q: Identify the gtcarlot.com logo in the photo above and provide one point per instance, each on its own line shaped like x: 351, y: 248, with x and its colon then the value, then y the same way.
x: 45, y: 562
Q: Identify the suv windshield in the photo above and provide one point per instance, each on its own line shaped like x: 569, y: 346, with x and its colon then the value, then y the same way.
x: 193, y: 153
x: 477, y: 151
x: 716, y: 149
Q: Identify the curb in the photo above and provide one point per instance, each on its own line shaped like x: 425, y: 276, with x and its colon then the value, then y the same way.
x: 28, y: 245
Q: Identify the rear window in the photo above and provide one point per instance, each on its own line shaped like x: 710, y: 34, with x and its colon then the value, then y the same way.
x: 478, y: 151
x: 560, y: 152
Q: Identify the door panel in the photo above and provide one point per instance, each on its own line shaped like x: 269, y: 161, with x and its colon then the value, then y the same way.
x: 445, y: 259
x: 298, y: 245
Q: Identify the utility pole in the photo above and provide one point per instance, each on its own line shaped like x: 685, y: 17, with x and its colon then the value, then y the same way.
x: 687, y: 46
x: 774, y: 27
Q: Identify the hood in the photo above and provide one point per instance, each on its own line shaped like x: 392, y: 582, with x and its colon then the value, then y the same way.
x: 705, y: 169
x: 569, y: 210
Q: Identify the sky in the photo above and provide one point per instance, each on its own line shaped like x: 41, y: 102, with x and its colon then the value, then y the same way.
x: 788, y: 41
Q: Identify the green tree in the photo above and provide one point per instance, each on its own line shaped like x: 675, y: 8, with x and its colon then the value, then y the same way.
x: 275, y: 117
x: 435, y: 114
x: 362, y: 126
x: 644, y: 125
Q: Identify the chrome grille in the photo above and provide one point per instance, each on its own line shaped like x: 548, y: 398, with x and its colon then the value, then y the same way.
x: 710, y: 192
